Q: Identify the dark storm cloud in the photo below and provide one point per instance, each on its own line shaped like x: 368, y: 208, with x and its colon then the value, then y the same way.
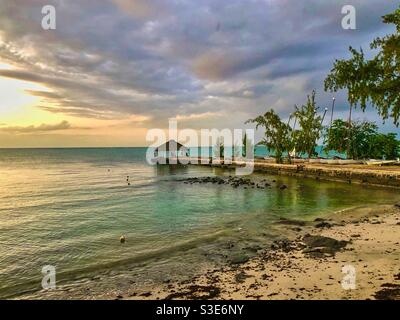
x: 114, y: 58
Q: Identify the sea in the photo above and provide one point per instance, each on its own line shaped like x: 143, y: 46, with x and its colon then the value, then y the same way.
x: 68, y: 208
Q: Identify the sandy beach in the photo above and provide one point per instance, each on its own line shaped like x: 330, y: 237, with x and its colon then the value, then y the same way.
x: 307, y: 262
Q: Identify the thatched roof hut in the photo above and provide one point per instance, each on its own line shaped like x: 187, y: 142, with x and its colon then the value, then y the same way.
x: 171, y: 145
x: 171, y: 149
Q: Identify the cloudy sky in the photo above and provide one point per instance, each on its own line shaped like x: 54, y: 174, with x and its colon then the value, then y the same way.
x: 113, y: 69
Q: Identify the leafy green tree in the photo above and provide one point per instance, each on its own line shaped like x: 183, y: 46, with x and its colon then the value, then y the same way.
x: 361, y: 140
x: 384, y: 146
x: 277, y: 134
x: 353, y: 139
x: 246, y: 143
x: 219, y: 148
x: 376, y: 80
x: 311, y: 127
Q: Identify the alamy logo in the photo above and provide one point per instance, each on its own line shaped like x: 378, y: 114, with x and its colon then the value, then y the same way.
x: 228, y: 145
x: 49, y: 277
x: 49, y: 19
x: 349, y: 20
x: 349, y: 280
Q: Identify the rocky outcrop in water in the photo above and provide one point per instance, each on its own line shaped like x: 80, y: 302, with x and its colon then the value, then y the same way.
x: 235, y: 182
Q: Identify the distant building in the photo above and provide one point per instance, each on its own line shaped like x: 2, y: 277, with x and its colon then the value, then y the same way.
x: 170, y: 150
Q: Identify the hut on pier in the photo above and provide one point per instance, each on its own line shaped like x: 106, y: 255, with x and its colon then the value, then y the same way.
x: 169, y: 152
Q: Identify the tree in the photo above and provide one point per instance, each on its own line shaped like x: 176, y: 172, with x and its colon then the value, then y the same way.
x: 361, y: 140
x: 246, y: 143
x: 311, y: 127
x: 377, y: 80
x: 219, y: 148
x: 354, y: 139
x: 277, y: 134
x: 384, y: 146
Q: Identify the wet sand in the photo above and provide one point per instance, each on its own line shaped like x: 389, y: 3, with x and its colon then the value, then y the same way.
x: 307, y: 263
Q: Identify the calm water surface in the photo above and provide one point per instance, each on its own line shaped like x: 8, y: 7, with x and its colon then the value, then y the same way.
x: 68, y: 208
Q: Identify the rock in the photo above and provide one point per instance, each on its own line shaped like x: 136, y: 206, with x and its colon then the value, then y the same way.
x: 319, y: 220
x: 239, y: 259
x: 196, y: 292
x: 241, y: 277
x: 321, y: 241
x: 284, y: 244
x: 297, y: 229
x: 283, y: 187
x: 122, y: 239
x: 389, y: 292
x: 146, y: 294
x: 291, y: 222
x: 323, y: 225
x: 252, y: 249
x: 319, y: 246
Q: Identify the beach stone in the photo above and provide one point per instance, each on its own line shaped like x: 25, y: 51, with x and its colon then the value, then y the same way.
x: 319, y: 246
x: 196, y: 292
x: 389, y: 291
x: 146, y: 294
x: 241, y: 277
x: 291, y: 222
x: 239, y: 259
x: 253, y: 249
x: 323, y: 225
x: 285, y: 245
x: 297, y: 229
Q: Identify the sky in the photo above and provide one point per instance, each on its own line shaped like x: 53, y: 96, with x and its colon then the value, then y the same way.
x: 113, y: 69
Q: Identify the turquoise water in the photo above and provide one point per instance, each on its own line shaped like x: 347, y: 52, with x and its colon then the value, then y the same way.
x: 68, y: 208
x: 261, y: 152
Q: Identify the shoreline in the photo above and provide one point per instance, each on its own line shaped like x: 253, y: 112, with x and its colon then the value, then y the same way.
x: 282, y: 271
x: 384, y: 176
x: 308, y: 263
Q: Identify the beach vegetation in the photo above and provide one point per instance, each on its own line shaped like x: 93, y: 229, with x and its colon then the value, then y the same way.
x: 277, y: 137
x: 361, y: 140
x: 310, y: 127
x: 247, y: 145
x: 373, y: 81
x: 219, y: 148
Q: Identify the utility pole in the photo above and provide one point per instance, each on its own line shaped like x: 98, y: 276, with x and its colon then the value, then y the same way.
x: 323, y: 117
x: 333, y: 107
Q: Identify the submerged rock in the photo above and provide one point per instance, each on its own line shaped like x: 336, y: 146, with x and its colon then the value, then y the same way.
x: 291, y: 222
x: 239, y: 259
